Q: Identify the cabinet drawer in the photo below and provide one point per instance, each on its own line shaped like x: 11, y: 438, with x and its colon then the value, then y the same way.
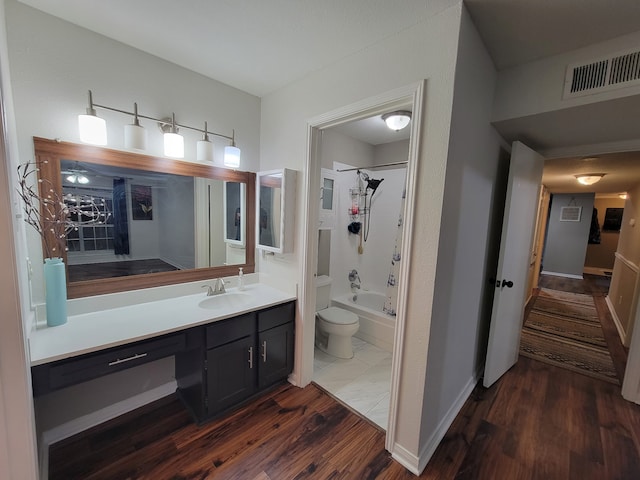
x: 275, y: 316
x: 227, y: 331
x: 69, y: 372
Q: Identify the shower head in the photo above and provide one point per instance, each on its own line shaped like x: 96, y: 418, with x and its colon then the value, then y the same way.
x: 373, y: 184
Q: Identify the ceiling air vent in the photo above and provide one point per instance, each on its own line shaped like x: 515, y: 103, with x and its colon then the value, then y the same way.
x: 603, y: 74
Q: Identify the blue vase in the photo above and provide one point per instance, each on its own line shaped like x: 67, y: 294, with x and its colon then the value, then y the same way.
x: 55, y: 283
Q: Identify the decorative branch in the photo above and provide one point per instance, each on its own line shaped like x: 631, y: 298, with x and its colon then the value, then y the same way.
x: 50, y: 215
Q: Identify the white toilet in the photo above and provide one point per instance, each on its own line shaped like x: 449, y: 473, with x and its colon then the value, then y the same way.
x: 334, y: 326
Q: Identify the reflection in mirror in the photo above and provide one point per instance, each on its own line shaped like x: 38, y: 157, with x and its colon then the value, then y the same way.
x: 152, y: 222
x: 166, y: 218
x: 270, y: 195
x: 234, y: 210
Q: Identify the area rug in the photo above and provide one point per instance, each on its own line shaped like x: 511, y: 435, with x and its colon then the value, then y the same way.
x: 563, y: 329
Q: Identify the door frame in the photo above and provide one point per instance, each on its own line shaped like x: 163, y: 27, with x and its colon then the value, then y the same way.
x: 409, y: 95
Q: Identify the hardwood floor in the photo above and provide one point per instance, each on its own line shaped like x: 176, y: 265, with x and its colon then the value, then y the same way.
x: 537, y: 422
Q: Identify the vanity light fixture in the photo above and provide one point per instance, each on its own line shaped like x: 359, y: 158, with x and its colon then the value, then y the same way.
x: 135, y: 136
x: 204, y: 147
x: 623, y: 196
x: 232, y: 153
x: 589, y: 178
x: 173, y: 141
x: 94, y: 130
x: 397, y: 120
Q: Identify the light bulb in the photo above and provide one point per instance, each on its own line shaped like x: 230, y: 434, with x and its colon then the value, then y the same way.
x: 174, y: 145
x: 93, y: 129
x: 231, y: 156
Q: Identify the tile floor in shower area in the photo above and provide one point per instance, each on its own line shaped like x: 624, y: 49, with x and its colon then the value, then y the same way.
x: 362, y: 382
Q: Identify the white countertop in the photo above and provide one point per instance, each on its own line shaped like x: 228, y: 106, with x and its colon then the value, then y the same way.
x: 93, y: 331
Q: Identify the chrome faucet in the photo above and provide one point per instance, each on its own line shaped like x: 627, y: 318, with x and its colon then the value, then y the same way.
x: 354, y: 278
x: 216, y: 289
x: 353, y: 275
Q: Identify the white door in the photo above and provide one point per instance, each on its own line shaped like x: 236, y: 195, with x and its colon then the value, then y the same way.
x: 525, y: 175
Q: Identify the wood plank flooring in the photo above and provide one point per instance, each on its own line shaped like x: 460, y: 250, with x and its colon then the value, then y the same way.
x: 537, y: 422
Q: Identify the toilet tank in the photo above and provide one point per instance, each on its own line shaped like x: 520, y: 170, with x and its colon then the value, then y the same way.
x: 323, y: 292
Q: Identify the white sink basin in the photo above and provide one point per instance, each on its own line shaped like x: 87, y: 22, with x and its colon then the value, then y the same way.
x: 229, y: 300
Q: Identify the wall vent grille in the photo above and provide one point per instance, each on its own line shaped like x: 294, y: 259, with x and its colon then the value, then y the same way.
x: 570, y: 214
x: 604, y: 74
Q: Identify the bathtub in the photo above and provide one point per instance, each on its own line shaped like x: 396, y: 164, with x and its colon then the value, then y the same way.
x: 376, y: 327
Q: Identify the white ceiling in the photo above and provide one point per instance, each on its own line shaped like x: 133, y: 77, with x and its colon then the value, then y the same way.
x: 257, y: 46
x: 373, y: 130
x: 516, y: 32
x: 261, y: 46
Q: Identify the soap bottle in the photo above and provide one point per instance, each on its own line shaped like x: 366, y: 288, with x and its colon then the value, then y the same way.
x: 240, y: 280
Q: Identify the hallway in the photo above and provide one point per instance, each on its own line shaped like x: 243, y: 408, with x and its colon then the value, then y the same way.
x: 598, y: 287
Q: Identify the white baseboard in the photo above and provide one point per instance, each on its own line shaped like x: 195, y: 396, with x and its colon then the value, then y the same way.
x: 417, y: 464
x: 597, y: 271
x: 85, y: 422
x: 565, y: 275
x: 616, y: 321
x: 405, y: 458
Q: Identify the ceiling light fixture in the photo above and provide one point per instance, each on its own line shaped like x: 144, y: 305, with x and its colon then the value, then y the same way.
x: 589, y: 178
x: 77, y: 178
x: 94, y: 130
x: 623, y: 196
x: 397, y: 120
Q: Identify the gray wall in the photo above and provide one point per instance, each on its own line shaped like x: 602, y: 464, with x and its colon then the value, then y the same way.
x: 566, y: 244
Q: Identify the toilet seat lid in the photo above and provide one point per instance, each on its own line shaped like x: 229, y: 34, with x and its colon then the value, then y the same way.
x: 338, y: 316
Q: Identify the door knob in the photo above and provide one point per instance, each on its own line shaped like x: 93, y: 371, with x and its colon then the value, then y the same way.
x: 508, y: 284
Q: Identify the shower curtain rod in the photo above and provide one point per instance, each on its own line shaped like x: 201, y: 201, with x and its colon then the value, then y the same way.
x: 372, y: 166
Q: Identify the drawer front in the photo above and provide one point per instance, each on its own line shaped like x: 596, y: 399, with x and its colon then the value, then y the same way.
x: 226, y: 331
x: 276, y: 316
x: 87, y: 367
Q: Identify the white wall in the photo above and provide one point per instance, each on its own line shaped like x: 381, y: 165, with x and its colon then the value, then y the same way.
x: 391, y: 152
x: 425, y: 51
x: 565, y: 246
x: 54, y: 63
x: 18, y: 458
x: 623, y: 292
x: 463, y: 253
x: 177, y: 216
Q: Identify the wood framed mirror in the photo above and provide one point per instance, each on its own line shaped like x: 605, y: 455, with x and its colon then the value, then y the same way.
x: 173, y: 214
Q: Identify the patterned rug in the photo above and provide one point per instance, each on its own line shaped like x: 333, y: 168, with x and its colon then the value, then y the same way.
x: 563, y: 329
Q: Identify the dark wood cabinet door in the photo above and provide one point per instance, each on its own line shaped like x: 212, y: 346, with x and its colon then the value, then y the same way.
x: 276, y: 354
x: 231, y: 373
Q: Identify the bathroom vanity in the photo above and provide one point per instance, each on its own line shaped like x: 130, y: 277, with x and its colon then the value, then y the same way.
x: 227, y: 348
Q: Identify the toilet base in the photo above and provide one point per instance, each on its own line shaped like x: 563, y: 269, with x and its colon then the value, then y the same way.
x: 338, y: 346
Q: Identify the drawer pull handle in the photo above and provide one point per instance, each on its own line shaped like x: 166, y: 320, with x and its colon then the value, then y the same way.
x: 250, y: 357
x: 264, y: 351
x: 128, y: 359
